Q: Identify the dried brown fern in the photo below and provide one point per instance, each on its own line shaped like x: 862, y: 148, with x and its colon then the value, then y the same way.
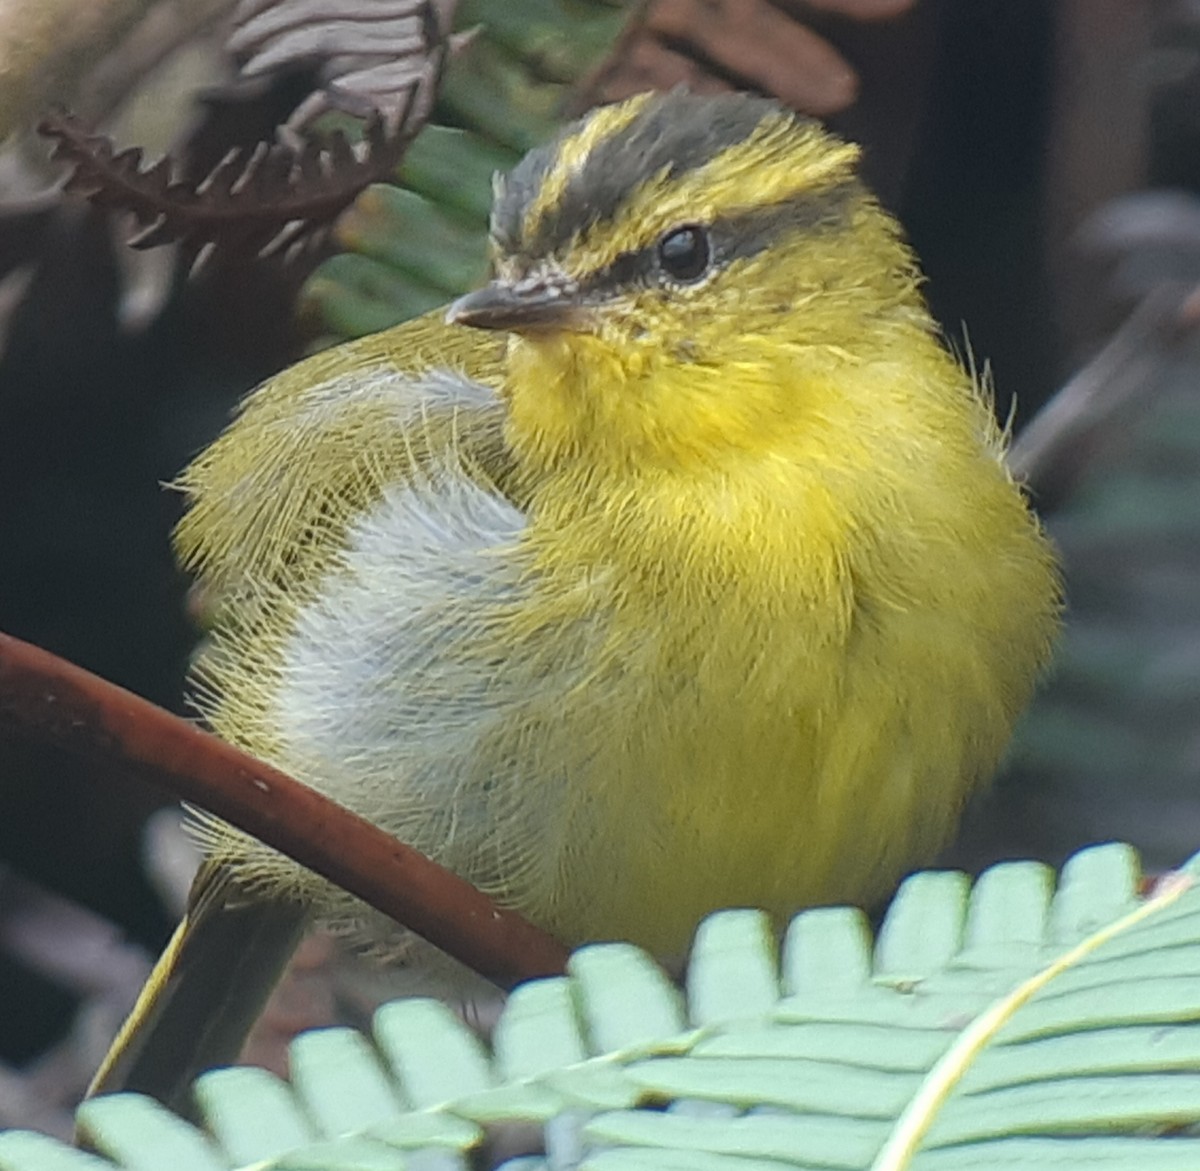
x: 777, y: 47
x: 367, y: 55
x: 272, y: 199
x: 275, y: 198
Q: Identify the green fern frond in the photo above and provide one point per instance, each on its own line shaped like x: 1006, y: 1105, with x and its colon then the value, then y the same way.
x: 1008, y: 1025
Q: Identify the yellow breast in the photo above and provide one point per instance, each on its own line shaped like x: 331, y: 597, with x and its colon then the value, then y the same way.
x: 809, y: 661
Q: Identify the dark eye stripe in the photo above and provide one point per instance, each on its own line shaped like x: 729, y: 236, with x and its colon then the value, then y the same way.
x: 753, y: 231
x: 735, y: 237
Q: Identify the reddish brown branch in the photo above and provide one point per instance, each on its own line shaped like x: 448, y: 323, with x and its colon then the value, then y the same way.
x: 45, y: 698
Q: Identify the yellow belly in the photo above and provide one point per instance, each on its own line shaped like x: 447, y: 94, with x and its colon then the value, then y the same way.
x: 799, y: 732
x: 780, y: 793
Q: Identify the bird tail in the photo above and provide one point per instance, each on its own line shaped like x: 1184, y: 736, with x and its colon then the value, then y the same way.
x: 204, y: 994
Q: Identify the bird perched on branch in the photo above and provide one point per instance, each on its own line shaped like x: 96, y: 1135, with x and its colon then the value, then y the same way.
x: 676, y: 568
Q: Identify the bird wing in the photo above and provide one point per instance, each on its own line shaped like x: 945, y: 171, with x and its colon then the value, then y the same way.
x: 379, y: 631
x: 315, y: 446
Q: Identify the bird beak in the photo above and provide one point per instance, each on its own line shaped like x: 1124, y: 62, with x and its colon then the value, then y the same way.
x: 525, y: 306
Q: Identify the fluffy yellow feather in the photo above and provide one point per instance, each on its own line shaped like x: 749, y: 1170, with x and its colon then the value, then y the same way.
x: 698, y: 581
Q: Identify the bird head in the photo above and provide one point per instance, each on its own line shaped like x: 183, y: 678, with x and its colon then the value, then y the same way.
x: 670, y: 267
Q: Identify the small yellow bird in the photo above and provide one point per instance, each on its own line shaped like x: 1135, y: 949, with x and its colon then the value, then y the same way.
x: 695, y: 580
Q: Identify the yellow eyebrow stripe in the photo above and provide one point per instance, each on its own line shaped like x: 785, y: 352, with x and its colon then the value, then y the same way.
x: 572, y: 154
x: 735, y: 181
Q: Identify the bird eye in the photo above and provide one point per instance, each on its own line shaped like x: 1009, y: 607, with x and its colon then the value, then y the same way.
x: 684, y: 253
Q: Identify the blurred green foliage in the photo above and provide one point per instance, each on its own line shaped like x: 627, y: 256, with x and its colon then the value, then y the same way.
x: 410, y: 248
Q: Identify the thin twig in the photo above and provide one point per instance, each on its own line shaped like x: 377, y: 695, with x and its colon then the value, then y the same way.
x: 1052, y: 451
x: 45, y: 698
